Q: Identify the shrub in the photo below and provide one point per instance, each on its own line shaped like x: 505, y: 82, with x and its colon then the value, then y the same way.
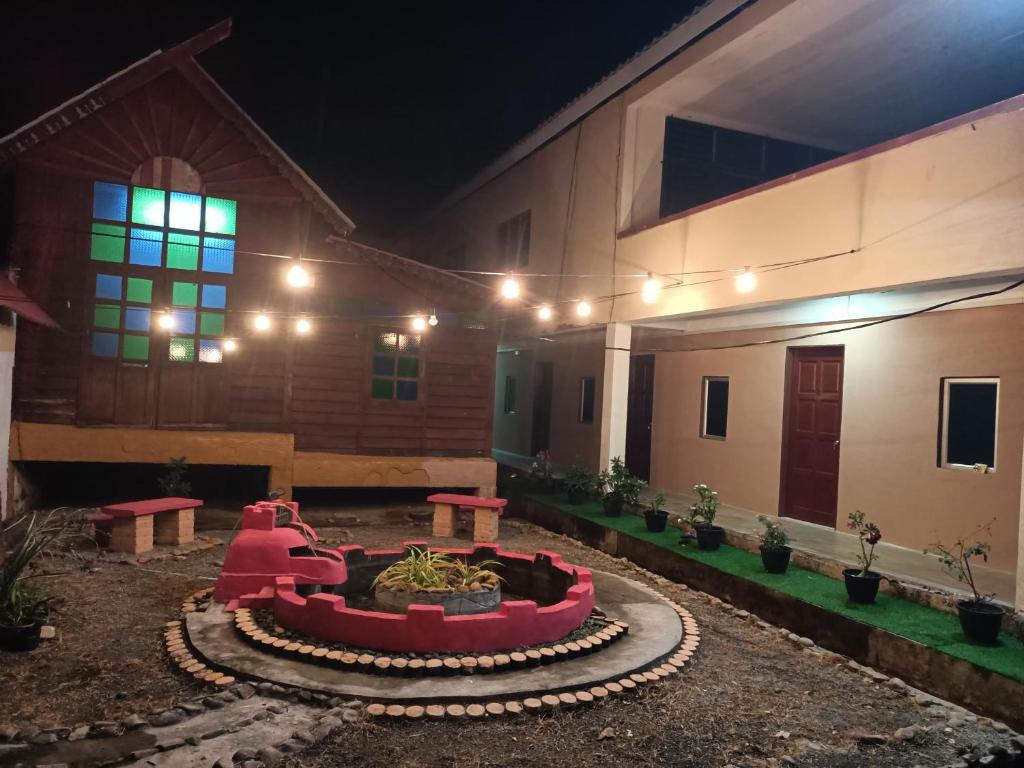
x: 578, y: 479
x: 703, y: 511
x: 957, y: 560
x: 868, y: 533
x: 773, y: 536
x: 173, y: 483
x: 426, y: 571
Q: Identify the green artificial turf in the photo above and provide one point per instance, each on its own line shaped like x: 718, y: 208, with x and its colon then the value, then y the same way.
x: 930, y: 627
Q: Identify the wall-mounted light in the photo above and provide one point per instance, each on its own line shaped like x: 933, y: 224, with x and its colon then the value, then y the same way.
x: 510, y: 288
x: 302, y: 325
x: 298, y: 277
x: 583, y: 308
x: 544, y: 312
x: 746, y: 281
x: 419, y: 323
x: 261, y: 322
x: 432, y: 321
x: 652, y: 287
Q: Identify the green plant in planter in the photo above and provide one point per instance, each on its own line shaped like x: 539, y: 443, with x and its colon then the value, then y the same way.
x: 173, y: 482
x: 702, y: 518
x: 618, y: 487
x: 775, y: 550
x: 862, y: 583
x: 541, y: 470
x: 980, y: 618
x: 656, y: 517
x: 426, y: 571
x: 579, y: 484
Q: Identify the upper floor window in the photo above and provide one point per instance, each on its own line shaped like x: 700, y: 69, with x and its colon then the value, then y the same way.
x: 396, y: 366
x: 169, y: 249
x: 970, y: 419
x: 714, y: 419
x: 514, y: 241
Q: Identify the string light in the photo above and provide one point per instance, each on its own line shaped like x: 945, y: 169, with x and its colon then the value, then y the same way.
x: 302, y: 325
x: 166, y: 321
x: 583, y: 308
x: 230, y: 345
x: 544, y: 312
x: 298, y: 277
x: 433, y: 320
x: 652, y: 287
x: 510, y: 288
x: 419, y: 323
x: 261, y: 323
x: 746, y: 281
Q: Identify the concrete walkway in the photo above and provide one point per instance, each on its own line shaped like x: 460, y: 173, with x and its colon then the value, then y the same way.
x: 907, y: 565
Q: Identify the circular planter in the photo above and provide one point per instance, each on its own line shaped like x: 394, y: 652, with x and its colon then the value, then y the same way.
x: 709, y: 537
x: 776, y: 559
x: 20, y: 638
x: 612, y: 504
x: 577, y: 495
x: 656, y: 520
x: 980, y: 621
x: 454, y: 603
x: 861, y: 589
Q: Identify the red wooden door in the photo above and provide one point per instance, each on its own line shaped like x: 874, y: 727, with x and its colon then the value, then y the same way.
x: 640, y: 415
x: 811, y: 454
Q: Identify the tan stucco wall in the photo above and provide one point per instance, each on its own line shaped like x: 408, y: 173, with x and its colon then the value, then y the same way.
x: 889, y: 426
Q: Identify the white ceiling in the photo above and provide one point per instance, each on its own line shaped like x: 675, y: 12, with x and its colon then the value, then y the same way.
x: 849, y: 73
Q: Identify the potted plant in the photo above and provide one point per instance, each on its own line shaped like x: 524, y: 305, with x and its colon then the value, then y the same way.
x: 775, y: 549
x: 173, y: 483
x: 862, y: 583
x: 619, y: 488
x: 578, y: 484
x: 980, y: 618
x: 702, y: 518
x: 655, y: 516
x: 540, y: 472
x: 631, y: 488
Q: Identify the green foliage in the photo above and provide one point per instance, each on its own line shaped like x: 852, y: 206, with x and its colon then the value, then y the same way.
x: 426, y: 571
x: 957, y: 559
x: 20, y: 543
x: 868, y: 533
x: 578, y: 479
x: 658, y: 501
x: 540, y: 469
x: 618, y: 480
x: 173, y: 483
x: 703, y: 511
x: 773, y: 536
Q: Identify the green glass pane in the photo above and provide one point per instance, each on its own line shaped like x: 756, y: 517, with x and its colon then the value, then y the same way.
x: 220, y: 216
x: 409, y: 367
x: 184, y: 294
x: 136, y: 347
x: 386, y: 342
x: 182, y: 251
x: 182, y: 350
x: 211, y: 324
x: 383, y: 389
x: 140, y: 290
x: 148, y: 206
x: 407, y: 343
x: 106, y: 316
x: 107, y: 243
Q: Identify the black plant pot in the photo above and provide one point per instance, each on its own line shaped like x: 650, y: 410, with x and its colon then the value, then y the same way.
x: 980, y: 621
x: 20, y: 638
x: 577, y: 495
x: 613, y: 504
x: 709, y: 537
x: 862, y: 589
x: 656, y: 520
x: 776, y: 559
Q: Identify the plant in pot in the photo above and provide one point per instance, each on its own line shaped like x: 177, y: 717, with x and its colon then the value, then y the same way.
x: 980, y: 618
x: 655, y: 516
x: 541, y: 472
x: 616, y: 484
x: 578, y: 484
x: 775, y: 549
x: 862, y: 583
x: 702, y: 518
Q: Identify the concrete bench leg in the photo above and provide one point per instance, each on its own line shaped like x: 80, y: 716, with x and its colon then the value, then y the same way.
x: 444, y: 520
x: 132, y: 534
x: 177, y: 527
x: 485, y: 524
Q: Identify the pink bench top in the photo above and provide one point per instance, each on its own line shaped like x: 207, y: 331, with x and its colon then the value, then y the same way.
x: 151, y: 506
x: 467, y: 501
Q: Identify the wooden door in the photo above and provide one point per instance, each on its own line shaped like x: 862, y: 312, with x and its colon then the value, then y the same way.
x: 543, y: 387
x: 810, y: 467
x: 640, y: 415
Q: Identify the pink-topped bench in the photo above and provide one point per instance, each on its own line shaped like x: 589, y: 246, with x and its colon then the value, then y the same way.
x: 135, y: 525
x: 485, y: 514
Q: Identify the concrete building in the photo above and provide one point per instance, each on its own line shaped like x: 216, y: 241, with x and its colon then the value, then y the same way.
x: 863, y: 160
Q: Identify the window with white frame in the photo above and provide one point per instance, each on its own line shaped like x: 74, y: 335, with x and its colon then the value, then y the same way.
x: 970, y: 423
x: 714, y: 416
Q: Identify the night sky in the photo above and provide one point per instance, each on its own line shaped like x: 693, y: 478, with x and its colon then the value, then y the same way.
x: 387, y: 106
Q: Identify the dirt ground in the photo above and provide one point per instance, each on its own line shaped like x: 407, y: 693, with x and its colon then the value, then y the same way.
x: 750, y: 698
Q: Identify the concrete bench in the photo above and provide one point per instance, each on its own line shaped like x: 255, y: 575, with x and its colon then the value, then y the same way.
x: 485, y: 514
x: 135, y: 525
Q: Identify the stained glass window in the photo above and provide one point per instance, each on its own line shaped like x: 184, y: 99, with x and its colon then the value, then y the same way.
x: 214, y: 296
x: 108, y: 287
x: 219, y: 255
x: 182, y: 251
x: 140, y: 290
x: 182, y: 349
x: 107, y: 243
x: 220, y: 216
x: 110, y: 201
x: 148, y: 206
x: 186, y: 210
x: 146, y: 247
x: 396, y: 366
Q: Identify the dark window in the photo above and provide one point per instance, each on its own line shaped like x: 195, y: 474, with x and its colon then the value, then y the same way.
x: 587, y: 400
x: 396, y: 366
x: 715, y: 413
x: 970, y: 409
x: 510, y: 394
x: 514, y: 241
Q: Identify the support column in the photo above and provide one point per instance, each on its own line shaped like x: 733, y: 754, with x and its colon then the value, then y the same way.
x: 615, y: 392
x: 1018, y: 600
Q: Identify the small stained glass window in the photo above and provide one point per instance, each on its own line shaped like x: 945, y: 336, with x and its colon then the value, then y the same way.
x: 136, y: 347
x: 383, y: 365
x: 140, y: 290
x: 211, y: 323
x: 386, y: 342
x: 383, y: 389
x: 146, y: 247
x: 109, y: 201
x: 136, y: 318
x: 108, y: 287
x: 210, y: 351
x: 215, y: 296
x: 107, y: 243
x: 406, y: 390
x: 186, y: 210
x: 148, y: 206
x: 104, y: 344
x: 408, y: 367
x: 182, y: 251
x: 182, y: 349
x: 219, y: 255
x: 396, y: 366
x: 220, y: 216
x: 184, y: 321
x: 184, y: 294
x: 106, y: 316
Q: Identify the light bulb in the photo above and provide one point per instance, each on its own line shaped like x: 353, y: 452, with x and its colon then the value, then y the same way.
x: 298, y: 277
x: 583, y: 308
x: 544, y: 312
x: 510, y: 288
x: 419, y: 323
x: 302, y: 325
x: 230, y: 345
x: 433, y: 320
x: 652, y: 287
x: 166, y: 321
x: 746, y: 281
x: 261, y: 323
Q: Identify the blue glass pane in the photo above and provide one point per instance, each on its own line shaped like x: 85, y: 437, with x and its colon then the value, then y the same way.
x: 104, y: 344
x: 109, y: 201
x: 215, y: 296
x: 185, y: 210
x: 406, y: 390
x: 108, y: 287
x: 136, y: 319
x: 219, y: 255
x: 210, y: 351
x: 383, y: 366
x: 146, y: 247
x: 184, y: 321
